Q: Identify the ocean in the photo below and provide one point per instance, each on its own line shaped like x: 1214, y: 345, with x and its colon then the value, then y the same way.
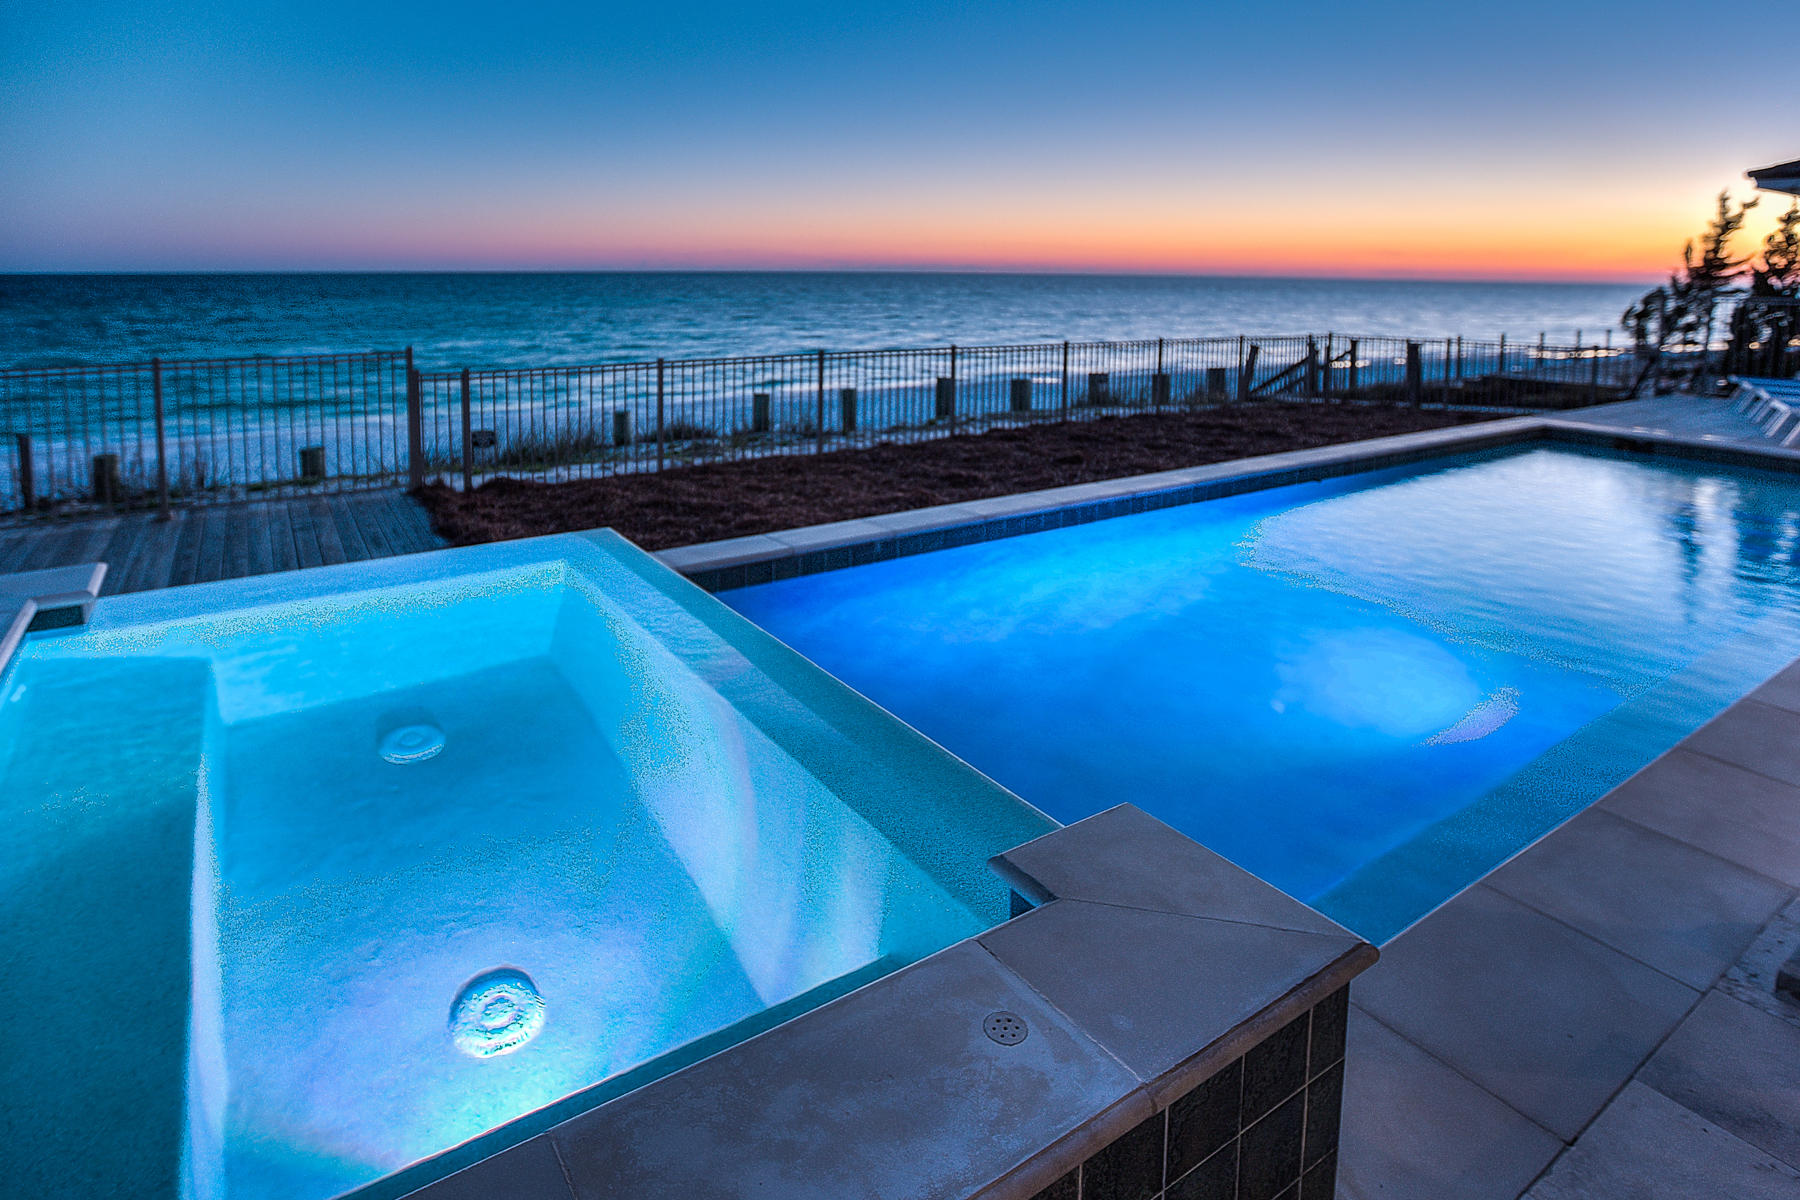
x: 565, y: 319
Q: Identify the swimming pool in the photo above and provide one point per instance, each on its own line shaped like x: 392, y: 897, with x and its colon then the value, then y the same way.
x: 1368, y: 690
x: 311, y: 878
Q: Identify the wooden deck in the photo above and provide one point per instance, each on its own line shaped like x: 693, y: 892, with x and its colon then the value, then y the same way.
x: 227, y: 541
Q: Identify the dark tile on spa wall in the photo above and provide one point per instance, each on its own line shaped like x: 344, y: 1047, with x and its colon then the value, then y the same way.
x: 1276, y: 1069
x: 1066, y: 1188
x: 1130, y: 1168
x: 1269, y: 1152
x: 1213, y: 1179
x: 1329, y: 1019
x: 1204, y: 1119
x: 1320, y: 1180
x: 1324, y: 1104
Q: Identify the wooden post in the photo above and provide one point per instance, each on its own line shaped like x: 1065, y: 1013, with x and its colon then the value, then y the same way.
x: 761, y: 417
x: 1020, y: 398
x: 847, y: 409
x: 819, y: 408
x: 1415, y: 372
x: 27, y: 477
x: 1500, y: 363
x: 1459, y: 358
x: 1447, y: 360
x: 1353, y: 378
x: 621, y: 427
x: 953, y: 416
x: 1160, y: 390
x: 312, y: 464
x: 1312, y: 366
x: 1216, y: 387
x: 105, y: 479
x: 468, y: 436
x: 415, y: 427
x: 659, y: 414
x: 162, y: 441
x: 1330, y: 361
x: 1247, y: 372
x: 1099, y: 389
x: 1063, y: 403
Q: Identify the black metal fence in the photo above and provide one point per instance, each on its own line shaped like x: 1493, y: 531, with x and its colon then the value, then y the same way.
x: 158, y: 434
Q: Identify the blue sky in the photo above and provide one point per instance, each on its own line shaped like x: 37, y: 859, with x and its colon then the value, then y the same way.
x: 1525, y: 140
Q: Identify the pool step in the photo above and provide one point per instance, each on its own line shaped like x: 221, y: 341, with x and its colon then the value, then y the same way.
x: 55, y: 598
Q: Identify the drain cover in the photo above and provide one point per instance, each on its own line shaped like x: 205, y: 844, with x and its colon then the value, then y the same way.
x: 1006, y: 1028
x: 496, y: 1013
x: 412, y: 744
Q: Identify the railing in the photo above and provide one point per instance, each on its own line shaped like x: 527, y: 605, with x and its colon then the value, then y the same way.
x: 160, y: 434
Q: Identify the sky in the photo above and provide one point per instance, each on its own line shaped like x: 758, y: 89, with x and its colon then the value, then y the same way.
x: 1525, y: 140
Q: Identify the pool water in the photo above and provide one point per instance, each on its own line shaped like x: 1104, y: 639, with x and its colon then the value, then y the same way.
x: 1367, y: 690
x: 305, y: 890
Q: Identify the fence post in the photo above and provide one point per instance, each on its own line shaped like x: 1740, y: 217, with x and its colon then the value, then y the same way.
x: 1312, y: 365
x: 468, y: 439
x: 659, y: 414
x: 1063, y: 401
x: 819, y: 430
x: 1459, y: 358
x: 1019, y: 394
x: 162, y: 442
x: 1330, y: 360
x: 847, y: 409
x: 953, y: 404
x: 1246, y: 369
x: 1593, y: 378
x: 27, y: 477
x: 415, y: 427
x: 1353, y: 377
x: 1415, y: 372
x: 1500, y: 364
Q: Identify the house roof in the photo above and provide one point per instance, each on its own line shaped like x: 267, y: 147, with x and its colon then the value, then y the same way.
x: 1782, y: 177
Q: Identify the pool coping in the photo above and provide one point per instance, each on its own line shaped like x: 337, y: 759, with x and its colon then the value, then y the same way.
x: 763, y: 558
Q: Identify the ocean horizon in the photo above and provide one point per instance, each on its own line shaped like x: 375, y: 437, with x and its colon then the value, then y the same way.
x: 566, y: 318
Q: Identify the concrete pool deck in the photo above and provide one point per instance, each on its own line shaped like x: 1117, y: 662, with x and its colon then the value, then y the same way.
x: 1597, y: 1017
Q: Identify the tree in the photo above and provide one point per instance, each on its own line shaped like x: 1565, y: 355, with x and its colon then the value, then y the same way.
x: 1765, y: 325
x: 1682, y: 310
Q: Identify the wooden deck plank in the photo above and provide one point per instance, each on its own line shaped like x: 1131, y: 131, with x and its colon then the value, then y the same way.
x: 225, y: 541
x: 184, y: 559
x: 306, y: 541
x: 240, y: 523
x: 281, y: 538
x: 116, y: 552
x: 210, y: 564
x: 415, y: 521
x: 372, y: 521
x: 146, y: 564
x: 13, y: 544
x: 331, y: 547
x: 355, y: 545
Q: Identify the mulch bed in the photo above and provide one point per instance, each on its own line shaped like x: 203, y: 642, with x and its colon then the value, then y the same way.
x: 728, y: 499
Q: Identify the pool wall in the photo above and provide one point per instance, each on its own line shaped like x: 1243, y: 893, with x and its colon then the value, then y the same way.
x: 762, y: 558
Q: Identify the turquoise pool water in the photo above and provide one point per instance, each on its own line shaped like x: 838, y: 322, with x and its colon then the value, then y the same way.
x: 1369, y: 690
x: 309, y: 879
